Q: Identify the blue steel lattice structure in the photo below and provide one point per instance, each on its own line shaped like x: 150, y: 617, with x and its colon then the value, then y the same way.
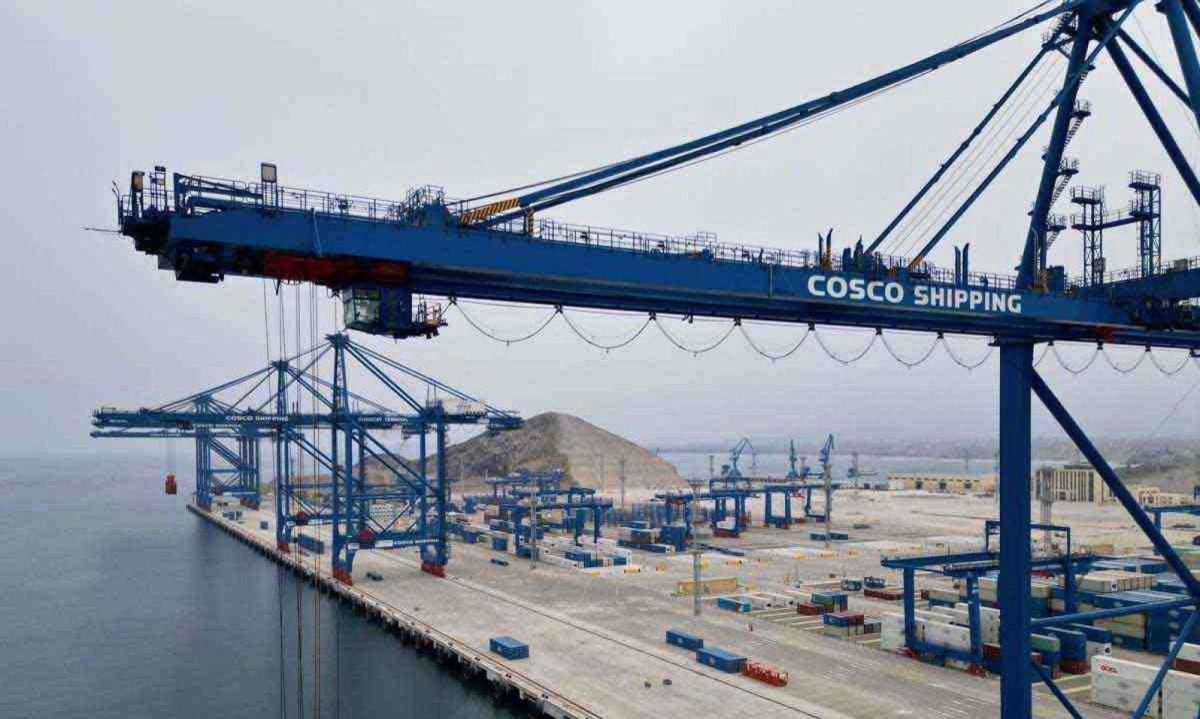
x: 408, y: 508
x: 500, y: 247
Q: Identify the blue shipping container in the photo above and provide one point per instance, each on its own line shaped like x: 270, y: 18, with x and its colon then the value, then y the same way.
x: 733, y: 605
x: 720, y: 659
x: 312, y: 544
x: 508, y: 647
x: 683, y: 639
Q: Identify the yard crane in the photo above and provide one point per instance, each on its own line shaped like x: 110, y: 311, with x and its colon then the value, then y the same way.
x: 379, y: 255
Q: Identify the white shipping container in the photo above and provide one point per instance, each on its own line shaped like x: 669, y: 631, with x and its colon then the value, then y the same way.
x: 556, y: 561
x: 891, y: 631
x: 1125, y: 700
x: 1191, y: 653
x: 944, y: 595
x: 947, y: 635
x: 1112, y: 670
x: 1181, y: 693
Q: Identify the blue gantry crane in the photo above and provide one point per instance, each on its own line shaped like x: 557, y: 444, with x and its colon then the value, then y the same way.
x: 794, y: 472
x: 407, y: 509
x: 731, y: 470
x: 379, y: 255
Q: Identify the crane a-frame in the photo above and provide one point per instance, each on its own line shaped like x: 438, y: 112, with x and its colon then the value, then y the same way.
x: 379, y: 254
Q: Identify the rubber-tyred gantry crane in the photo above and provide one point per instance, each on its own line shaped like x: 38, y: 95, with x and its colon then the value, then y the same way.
x: 380, y: 254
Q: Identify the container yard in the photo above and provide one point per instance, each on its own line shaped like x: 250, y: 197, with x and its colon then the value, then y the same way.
x: 785, y: 626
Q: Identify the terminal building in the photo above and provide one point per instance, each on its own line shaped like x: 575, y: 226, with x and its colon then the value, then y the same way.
x: 945, y: 483
x: 1082, y: 483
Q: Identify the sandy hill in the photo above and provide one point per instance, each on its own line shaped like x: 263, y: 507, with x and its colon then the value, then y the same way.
x: 591, y: 456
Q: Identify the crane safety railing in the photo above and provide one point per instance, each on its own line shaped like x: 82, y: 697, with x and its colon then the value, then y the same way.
x: 1134, y: 273
x: 701, y: 245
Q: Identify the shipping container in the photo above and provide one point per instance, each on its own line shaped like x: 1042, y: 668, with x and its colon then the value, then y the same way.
x: 678, y: 638
x: 721, y: 660
x: 508, y: 647
x: 733, y: 605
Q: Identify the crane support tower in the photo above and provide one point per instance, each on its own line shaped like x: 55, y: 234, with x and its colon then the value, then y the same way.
x: 381, y: 255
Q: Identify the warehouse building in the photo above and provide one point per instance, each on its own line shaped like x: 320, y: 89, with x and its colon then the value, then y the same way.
x: 947, y: 483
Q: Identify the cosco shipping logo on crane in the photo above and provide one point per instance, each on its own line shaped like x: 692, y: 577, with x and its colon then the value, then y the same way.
x: 895, y: 293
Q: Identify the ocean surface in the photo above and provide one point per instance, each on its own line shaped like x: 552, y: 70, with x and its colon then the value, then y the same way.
x: 117, y: 602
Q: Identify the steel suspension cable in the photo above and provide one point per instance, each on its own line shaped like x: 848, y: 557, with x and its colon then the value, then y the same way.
x: 982, y: 128
x: 1172, y: 372
x: 1124, y: 370
x: 634, y: 168
x: 1074, y: 370
x: 570, y: 176
x: 695, y: 351
x: 856, y: 357
x: 909, y: 365
x: 666, y: 168
x: 774, y: 357
x: 494, y: 336
x: 979, y: 160
x: 954, y: 357
x: 1015, y: 114
x: 606, y: 347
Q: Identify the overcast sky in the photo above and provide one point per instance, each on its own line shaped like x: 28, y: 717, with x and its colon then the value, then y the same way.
x: 478, y: 96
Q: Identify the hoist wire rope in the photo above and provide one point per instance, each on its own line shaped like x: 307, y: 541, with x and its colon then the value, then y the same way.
x: 285, y: 501
x: 982, y: 159
x: 314, y: 333
x: 299, y: 551
x: 984, y: 150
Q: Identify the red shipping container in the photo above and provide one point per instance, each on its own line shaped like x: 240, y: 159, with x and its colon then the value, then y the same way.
x: 889, y: 594
x: 1191, y: 666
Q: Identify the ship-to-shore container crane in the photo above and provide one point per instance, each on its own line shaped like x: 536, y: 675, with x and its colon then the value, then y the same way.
x: 409, y: 509
x: 501, y: 247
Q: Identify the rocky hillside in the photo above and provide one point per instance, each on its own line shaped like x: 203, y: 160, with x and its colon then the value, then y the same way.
x: 591, y: 456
